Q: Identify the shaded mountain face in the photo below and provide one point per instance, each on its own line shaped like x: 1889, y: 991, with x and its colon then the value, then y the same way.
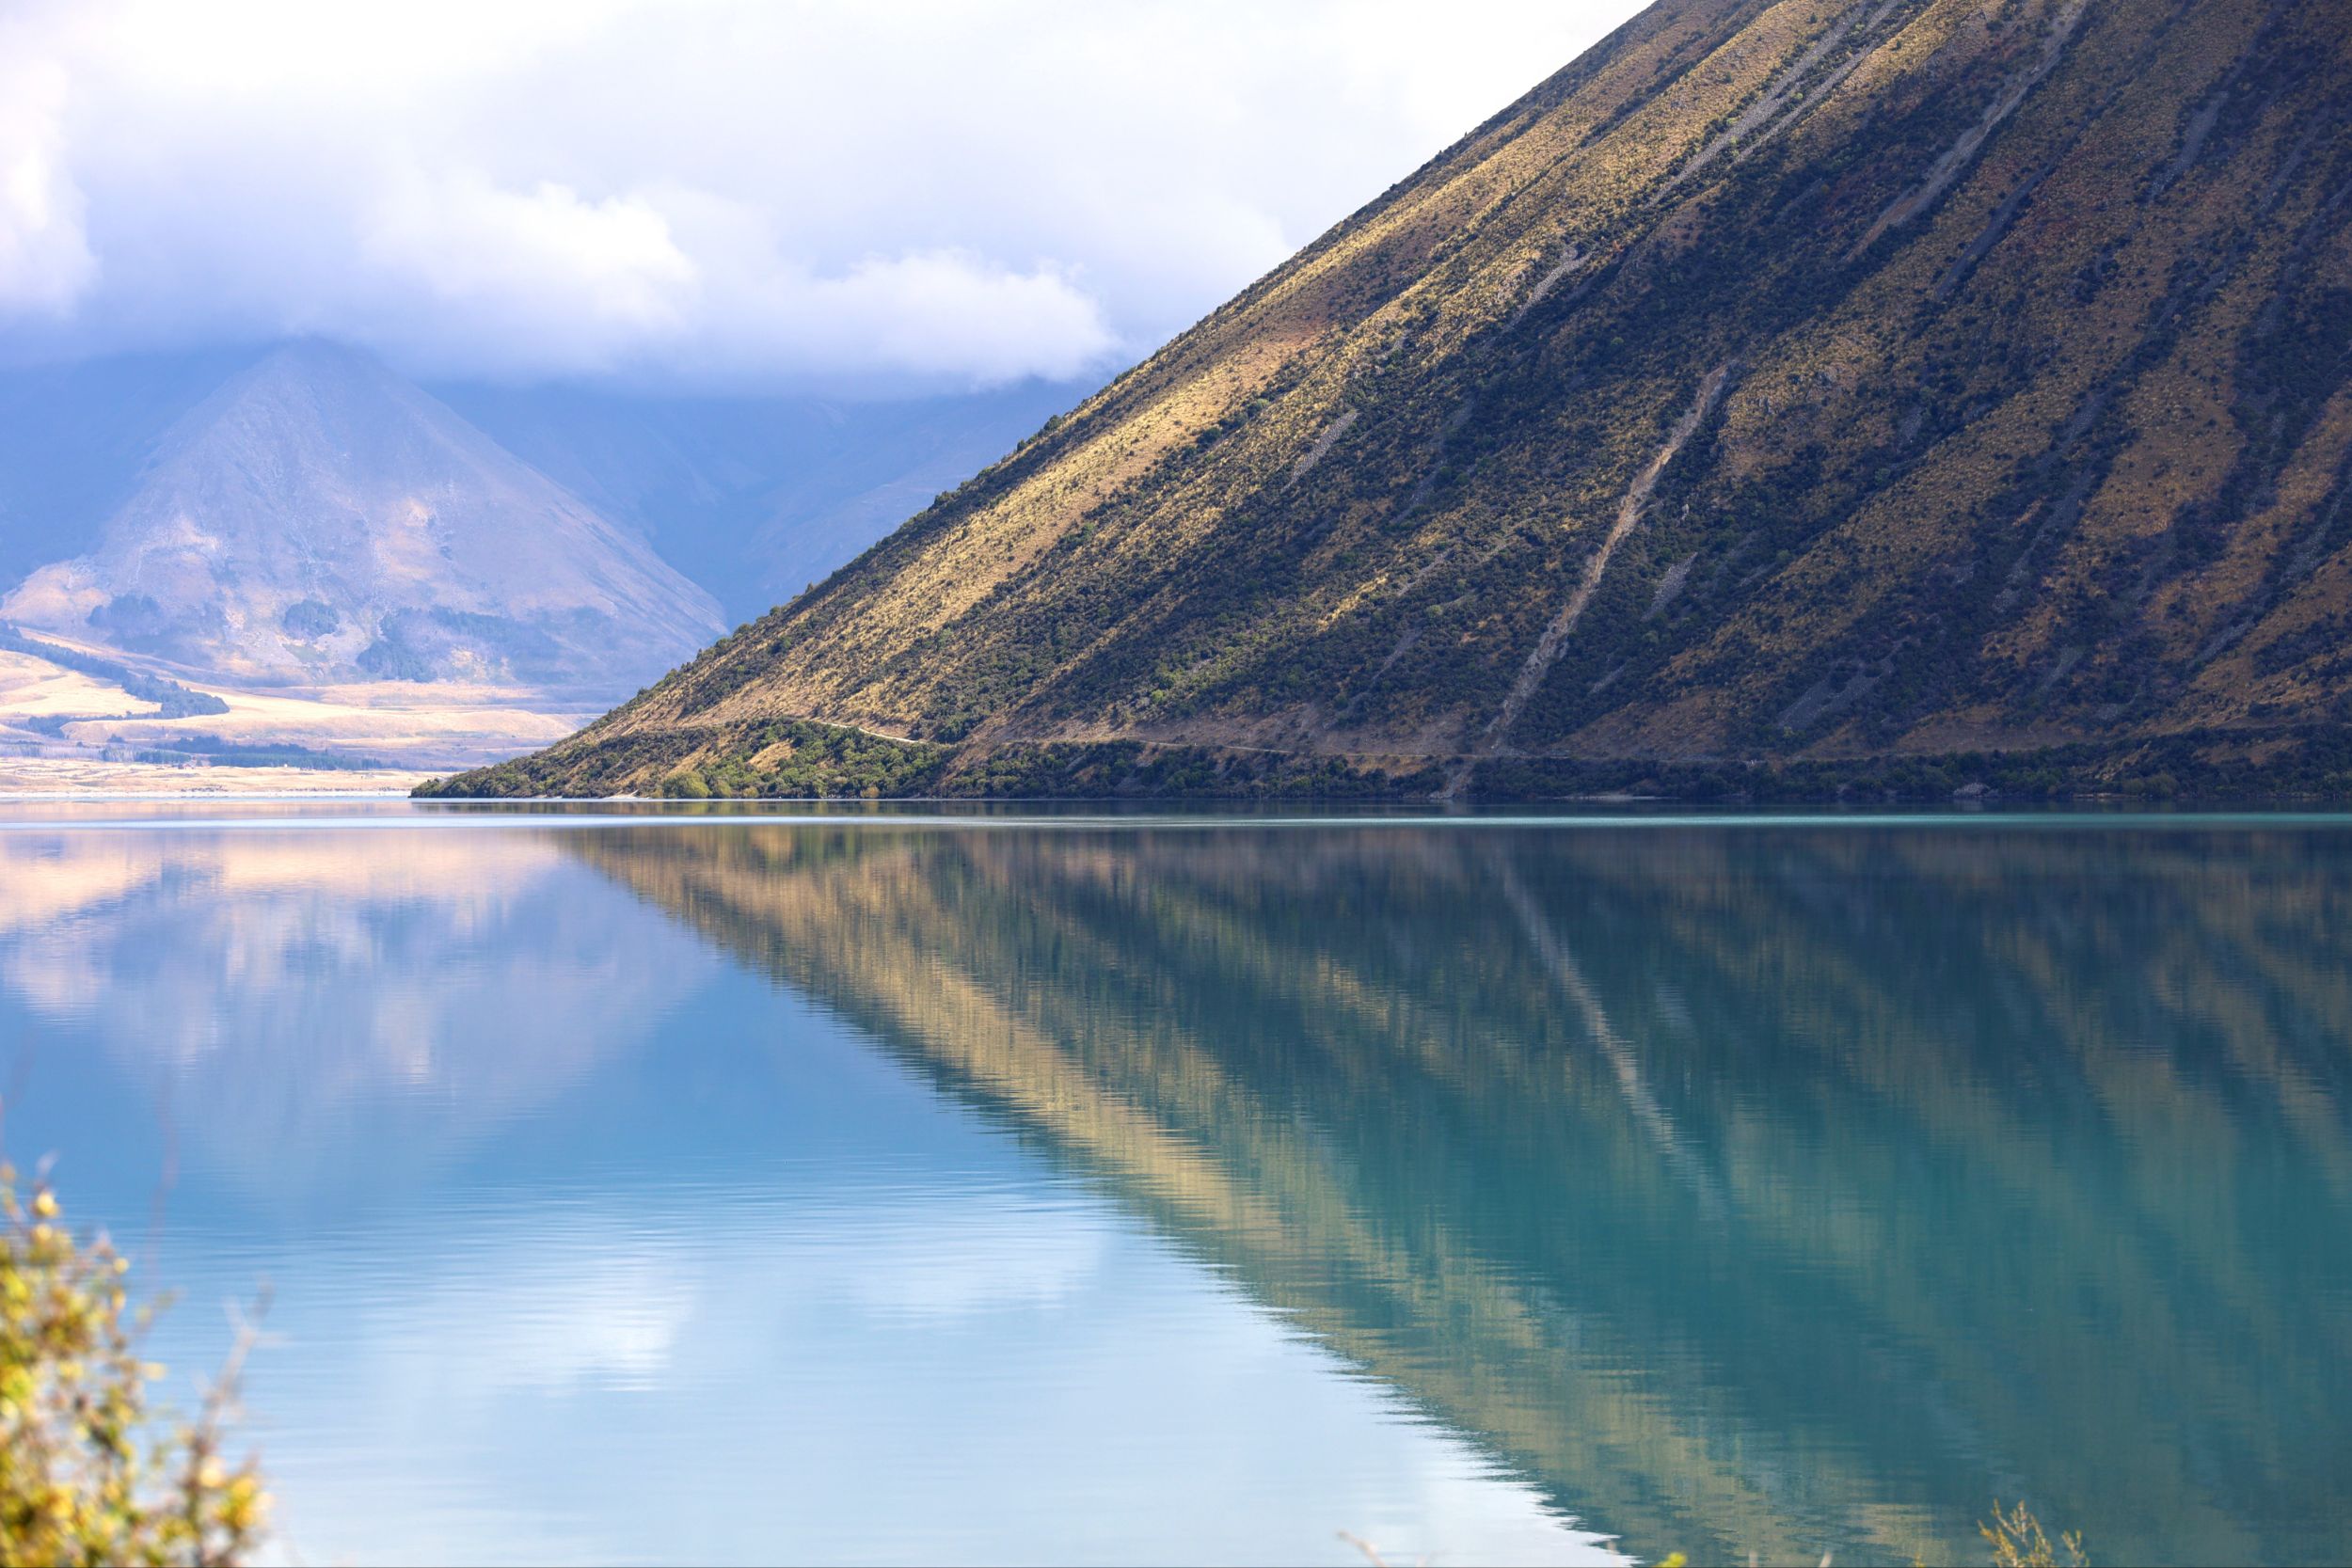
x: 1780, y: 380
x: 76, y: 440
x: 752, y: 498
x: 757, y: 497
x: 319, y: 519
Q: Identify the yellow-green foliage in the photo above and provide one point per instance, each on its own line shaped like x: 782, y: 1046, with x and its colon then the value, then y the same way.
x: 2018, y: 1542
x: 88, y: 1472
x: 2016, y: 1538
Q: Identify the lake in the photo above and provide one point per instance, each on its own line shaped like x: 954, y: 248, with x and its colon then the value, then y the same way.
x: 888, y: 1186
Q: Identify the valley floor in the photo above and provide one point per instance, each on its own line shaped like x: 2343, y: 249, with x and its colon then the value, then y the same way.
x: 104, y: 729
x: 65, y: 776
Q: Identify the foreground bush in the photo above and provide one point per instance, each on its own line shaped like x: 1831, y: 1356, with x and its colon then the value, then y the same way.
x: 2018, y: 1542
x: 89, y: 1473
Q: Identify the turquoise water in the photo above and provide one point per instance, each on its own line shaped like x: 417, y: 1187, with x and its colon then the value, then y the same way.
x: 636, y: 1187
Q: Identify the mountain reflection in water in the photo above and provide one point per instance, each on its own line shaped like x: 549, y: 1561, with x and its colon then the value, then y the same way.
x: 1743, y: 1188
x: 1093, y: 1190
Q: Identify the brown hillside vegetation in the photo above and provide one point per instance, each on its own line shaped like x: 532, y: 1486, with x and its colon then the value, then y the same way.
x: 1797, y: 381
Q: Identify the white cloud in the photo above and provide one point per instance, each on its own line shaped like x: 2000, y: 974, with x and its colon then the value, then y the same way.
x: 560, y: 282
x: 710, y: 191
x: 863, y: 1369
x: 45, y: 260
x: 935, y: 310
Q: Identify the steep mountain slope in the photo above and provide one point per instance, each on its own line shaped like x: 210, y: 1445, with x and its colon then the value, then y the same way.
x: 319, y: 519
x: 1793, y: 380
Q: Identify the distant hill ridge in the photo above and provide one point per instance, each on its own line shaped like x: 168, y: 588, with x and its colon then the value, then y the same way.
x: 1803, y: 384
x: 318, y: 520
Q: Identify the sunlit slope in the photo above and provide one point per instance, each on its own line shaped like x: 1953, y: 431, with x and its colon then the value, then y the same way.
x: 1446, y: 1099
x: 1798, y: 380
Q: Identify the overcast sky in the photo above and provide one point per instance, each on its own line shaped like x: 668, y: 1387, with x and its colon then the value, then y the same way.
x: 707, y: 194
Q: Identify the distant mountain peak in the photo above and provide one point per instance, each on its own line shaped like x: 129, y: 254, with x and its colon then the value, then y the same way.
x: 319, y: 519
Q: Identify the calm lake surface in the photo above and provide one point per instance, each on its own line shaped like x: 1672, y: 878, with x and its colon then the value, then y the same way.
x: 1170, y: 1189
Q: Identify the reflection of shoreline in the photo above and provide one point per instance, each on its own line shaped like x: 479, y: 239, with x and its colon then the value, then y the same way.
x: 279, y: 991
x: 41, y: 780
x: 1340, y: 1067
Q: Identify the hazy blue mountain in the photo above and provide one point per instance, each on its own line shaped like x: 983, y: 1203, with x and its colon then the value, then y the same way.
x: 75, y: 440
x: 318, y: 519
x: 755, y: 498
x: 750, y: 496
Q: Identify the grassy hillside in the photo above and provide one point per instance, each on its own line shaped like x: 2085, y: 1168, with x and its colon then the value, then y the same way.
x: 1804, y: 384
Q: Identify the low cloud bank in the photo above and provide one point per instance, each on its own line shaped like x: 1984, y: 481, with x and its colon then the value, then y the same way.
x: 729, y: 194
